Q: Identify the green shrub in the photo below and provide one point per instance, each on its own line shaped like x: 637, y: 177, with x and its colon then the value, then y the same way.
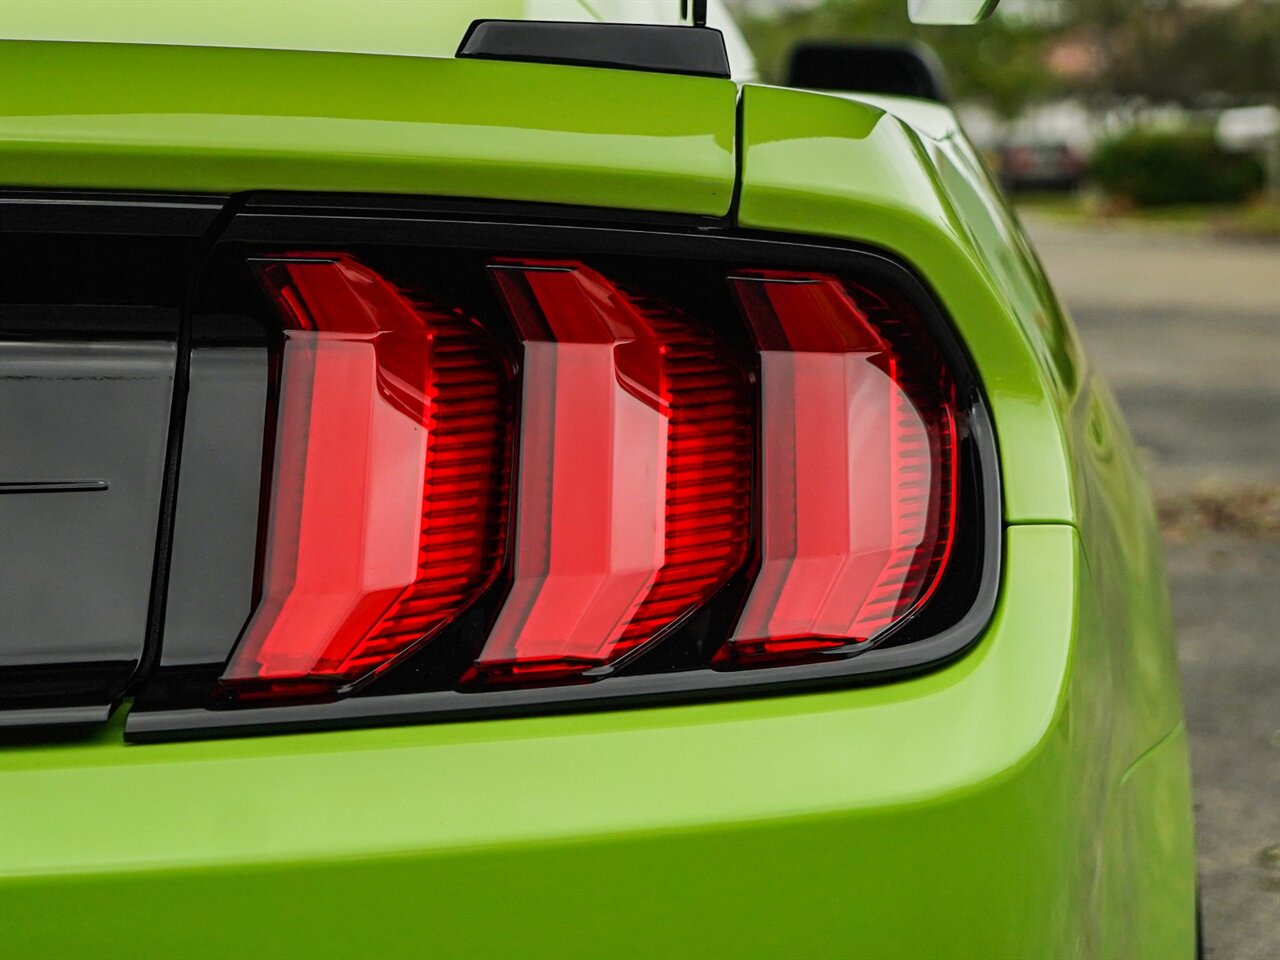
x: 1151, y: 169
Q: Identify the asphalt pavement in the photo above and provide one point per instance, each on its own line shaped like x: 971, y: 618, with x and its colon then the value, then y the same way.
x: 1186, y: 329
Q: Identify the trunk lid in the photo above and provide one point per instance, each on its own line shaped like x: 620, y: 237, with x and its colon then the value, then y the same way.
x: 225, y: 120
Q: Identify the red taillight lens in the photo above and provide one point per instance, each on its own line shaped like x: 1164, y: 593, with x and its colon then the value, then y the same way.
x: 388, y: 512
x: 859, y: 467
x: 389, y: 482
x: 635, y: 469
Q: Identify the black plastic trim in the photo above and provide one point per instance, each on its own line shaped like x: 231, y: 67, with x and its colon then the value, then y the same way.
x: 28, y: 717
x: 285, y: 219
x: 654, y: 48
x: 173, y: 455
x: 900, y: 69
x: 53, y: 486
x: 121, y: 214
x: 464, y: 209
x: 88, y: 220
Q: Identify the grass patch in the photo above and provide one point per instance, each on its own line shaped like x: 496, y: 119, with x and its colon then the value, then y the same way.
x: 1251, y: 511
x: 1257, y: 220
x: 1262, y: 220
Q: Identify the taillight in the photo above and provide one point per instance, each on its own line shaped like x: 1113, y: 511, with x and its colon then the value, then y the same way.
x: 859, y: 467
x: 634, y: 495
x: 388, y: 514
x: 498, y: 480
x: 389, y: 483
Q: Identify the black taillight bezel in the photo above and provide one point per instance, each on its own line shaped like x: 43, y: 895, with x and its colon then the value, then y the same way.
x: 174, y: 703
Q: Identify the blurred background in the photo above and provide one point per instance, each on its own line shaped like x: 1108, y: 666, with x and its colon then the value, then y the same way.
x: 1140, y: 142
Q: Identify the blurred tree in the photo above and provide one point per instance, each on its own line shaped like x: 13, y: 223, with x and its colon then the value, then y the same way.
x: 1193, y: 55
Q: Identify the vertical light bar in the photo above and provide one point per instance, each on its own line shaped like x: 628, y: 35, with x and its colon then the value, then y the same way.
x: 634, y: 476
x: 859, y: 472
x: 387, y: 508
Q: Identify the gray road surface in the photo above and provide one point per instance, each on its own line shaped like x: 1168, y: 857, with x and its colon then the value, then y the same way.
x: 1187, y: 331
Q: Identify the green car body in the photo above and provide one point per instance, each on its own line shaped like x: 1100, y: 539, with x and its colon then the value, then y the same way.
x: 1028, y: 799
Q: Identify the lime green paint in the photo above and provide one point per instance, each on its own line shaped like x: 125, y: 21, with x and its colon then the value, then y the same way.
x: 1121, y: 536
x: 225, y: 120
x: 1149, y: 849
x: 893, y: 820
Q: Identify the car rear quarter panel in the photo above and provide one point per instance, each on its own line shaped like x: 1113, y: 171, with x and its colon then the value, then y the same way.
x: 841, y: 167
x: 899, y: 175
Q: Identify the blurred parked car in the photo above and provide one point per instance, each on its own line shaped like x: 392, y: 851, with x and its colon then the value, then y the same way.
x: 1039, y: 166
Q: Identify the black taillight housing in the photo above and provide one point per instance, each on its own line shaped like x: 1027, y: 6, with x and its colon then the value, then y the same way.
x: 512, y: 464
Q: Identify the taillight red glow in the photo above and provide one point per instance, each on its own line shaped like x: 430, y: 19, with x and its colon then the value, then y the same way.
x: 859, y: 468
x: 389, y: 483
x: 635, y: 468
x: 649, y: 472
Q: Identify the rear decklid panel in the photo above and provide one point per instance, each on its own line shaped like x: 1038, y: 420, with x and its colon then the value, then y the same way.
x: 122, y: 116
